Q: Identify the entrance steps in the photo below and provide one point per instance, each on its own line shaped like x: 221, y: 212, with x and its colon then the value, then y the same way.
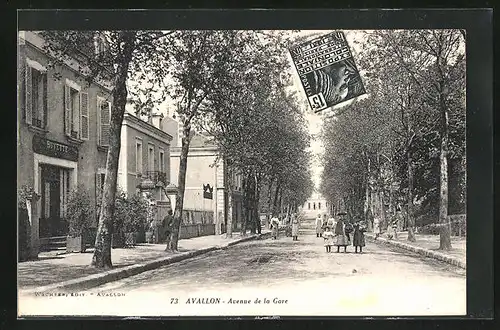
x: 56, y: 243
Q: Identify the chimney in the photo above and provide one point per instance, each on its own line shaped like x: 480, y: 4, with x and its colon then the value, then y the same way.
x: 156, y: 119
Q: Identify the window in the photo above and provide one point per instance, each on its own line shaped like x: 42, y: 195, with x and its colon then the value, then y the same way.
x: 309, y: 206
x: 319, y: 206
x: 160, y: 124
x: 314, y: 205
x: 35, y: 94
x: 99, y: 185
x: 104, y: 110
x: 151, y: 158
x: 138, y: 156
x: 64, y: 191
x: 161, y: 166
x: 76, y: 111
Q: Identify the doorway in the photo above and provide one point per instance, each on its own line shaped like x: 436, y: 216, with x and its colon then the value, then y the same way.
x: 54, y: 188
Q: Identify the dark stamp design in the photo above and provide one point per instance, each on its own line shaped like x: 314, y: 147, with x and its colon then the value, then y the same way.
x: 327, y: 71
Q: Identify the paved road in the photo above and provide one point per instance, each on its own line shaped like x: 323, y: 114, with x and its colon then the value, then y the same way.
x: 290, y: 278
x: 378, y: 281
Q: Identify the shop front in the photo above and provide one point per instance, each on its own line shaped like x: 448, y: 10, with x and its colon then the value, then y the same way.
x: 55, y: 176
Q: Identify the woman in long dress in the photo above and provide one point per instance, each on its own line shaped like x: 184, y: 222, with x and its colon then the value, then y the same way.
x: 319, y: 225
x: 295, y: 227
x: 376, y: 227
x: 358, y: 239
x: 275, y: 223
x: 340, y: 236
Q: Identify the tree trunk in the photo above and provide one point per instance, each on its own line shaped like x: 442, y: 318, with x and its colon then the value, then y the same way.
x: 102, y: 252
x: 383, y: 215
x: 179, y: 198
x: 270, y: 199
x: 276, y: 198
x: 445, y: 230
x: 257, y: 204
x: 229, y: 187
x: 368, y: 202
x: 411, y: 218
x: 246, y: 206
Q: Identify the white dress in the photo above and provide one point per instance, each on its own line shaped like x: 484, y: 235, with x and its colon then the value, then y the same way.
x: 376, y: 226
x: 319, y: 223
x: 328, y: 236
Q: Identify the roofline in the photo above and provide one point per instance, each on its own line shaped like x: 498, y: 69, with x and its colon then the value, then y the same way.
x: 128, y: 117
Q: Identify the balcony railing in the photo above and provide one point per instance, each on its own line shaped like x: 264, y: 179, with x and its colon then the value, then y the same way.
x: 156, y: 177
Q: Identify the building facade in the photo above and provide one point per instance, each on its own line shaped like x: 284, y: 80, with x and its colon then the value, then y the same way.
x: 63, y: 134
x: 204, y: 168
x: 315, y: 205
x: 144, y: 165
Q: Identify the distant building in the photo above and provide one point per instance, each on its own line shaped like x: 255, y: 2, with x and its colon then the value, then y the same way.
x: 203, y: 168
x: 316, y: 204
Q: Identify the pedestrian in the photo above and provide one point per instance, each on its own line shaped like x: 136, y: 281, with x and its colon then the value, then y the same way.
x: 319, y: 224
x: 328, y: 237
x: 358, y: 239
x: 166, y: 227
x: 348, y: 230
x: 331, y: 221
x: 288, y: 222
x: 340, y: 236
x: 295, y: 227
x: 275, y: 223
x: 376, y: 227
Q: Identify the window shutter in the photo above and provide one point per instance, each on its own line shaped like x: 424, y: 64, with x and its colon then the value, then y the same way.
x: 45, y: 110
x: 67, y: 110
x: 105, y: 120
x: 28, y: 105
x: 84, y: 121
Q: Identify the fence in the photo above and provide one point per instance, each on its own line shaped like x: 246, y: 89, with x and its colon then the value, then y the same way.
x: 191, y: 217
x: 458, y: 224
x: 196, y: 230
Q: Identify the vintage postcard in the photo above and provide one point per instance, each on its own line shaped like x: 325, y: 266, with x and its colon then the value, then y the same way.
x: 242, y: 172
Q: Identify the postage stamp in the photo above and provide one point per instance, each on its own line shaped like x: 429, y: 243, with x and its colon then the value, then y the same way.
x: 327, y: 70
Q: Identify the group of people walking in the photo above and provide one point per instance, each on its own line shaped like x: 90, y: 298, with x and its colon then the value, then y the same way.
x: 292, y: 221
x: 337, y: 232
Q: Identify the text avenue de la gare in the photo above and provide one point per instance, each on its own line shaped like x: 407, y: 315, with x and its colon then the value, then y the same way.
x: 214, y: 301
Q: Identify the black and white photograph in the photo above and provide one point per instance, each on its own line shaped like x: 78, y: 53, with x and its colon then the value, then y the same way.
x: 242, y: 172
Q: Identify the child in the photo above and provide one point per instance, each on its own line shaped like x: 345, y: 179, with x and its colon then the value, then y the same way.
x: 358, y: 239
x: 328, y: 237
x: 319, y: 224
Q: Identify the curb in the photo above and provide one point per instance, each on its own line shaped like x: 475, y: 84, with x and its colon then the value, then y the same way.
x: 92, y: 281
x: 424, y: 252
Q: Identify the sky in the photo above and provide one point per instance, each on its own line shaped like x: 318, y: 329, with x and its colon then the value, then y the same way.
x: 316, y: 120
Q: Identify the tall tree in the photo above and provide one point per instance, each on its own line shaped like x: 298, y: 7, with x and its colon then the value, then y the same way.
x: 105, y: 56
x: 429, y: 58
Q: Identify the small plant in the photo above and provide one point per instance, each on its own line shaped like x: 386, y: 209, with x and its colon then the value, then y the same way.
x: 121, y: 214
x: 79, y: 212
x: 137, y: 207
x: 26, y: 193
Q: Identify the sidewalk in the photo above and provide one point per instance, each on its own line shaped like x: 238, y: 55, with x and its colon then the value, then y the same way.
x: 51, y: 269
x: 428, y: 245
